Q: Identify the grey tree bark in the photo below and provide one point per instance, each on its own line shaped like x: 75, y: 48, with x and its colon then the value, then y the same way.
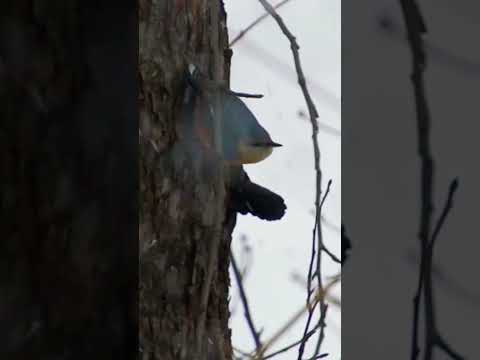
x: 183, y: 226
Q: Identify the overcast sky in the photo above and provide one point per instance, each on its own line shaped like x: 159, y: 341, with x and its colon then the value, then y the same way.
x: 262, y: 63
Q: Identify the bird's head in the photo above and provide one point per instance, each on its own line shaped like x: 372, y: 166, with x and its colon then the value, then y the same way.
x: 245, y: 140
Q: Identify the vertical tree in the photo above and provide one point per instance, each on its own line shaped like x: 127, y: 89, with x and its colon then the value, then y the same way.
x: 184, y: 246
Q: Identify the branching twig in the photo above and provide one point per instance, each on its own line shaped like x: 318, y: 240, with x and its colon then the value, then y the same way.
x: 291, y: 346
x: 257, y: 21
x: 243, y: 297
x: 313, y: 114
x: 416, y: 27
x: 332, y: 256
x: 446, y: 210
x: 435, y: 52
x: 317, y: 230
x: 323, y: 305
x: 285, y: 71
x: 323, y: 127
x: 310, y: 277
x: 320, y: 296
x: 324, y: 248
x: 415, y: 30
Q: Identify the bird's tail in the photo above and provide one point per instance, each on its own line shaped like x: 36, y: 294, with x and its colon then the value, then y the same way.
x: 258, y: 201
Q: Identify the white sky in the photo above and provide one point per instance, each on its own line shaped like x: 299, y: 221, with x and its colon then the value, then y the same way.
x: 262, y: 63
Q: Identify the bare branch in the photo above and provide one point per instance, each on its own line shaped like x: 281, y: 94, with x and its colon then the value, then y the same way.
x: 246, y: 307
x: 288, y: 73
x: 257, y: 21
x: 323, y: 127
x: 416, y: 28
x: 318, y: 357
x: 320, y: 296
x: 313, y: 114
x: 435, y: 52
x: 310, y: 277
x: 291, y: 346
x: 245, y: 95
x: 317, y: 240
x: 446, y: 210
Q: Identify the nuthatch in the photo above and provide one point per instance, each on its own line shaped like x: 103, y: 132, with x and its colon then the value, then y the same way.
x: 243, y: 141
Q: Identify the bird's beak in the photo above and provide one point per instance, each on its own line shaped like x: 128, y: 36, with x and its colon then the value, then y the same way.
x: 267, y: 144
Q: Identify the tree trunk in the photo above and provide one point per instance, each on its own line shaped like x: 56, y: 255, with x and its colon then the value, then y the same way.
x: 183, y: 228
x: 68, y: 197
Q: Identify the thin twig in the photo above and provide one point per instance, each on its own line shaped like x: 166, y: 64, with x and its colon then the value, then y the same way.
x: 318, y: 357
x: 291, y: 346
x: 331, y: 255
x: 242, y: 352
x: 437, y: 53
x: 447, y: 282
x: 310, y: 277
x: 446, y: 210
x: 245, y: 95
x: 246, y: 307
x: 317, y: 229
x: 323, y: 127
x: 329, y: 184
x: 416, y: 28
x: 257, y: 21
x: 311, y: 309
x: 320, y: 295
x: 285, y: 71
x: 323, y: 305
x: 313, y: 114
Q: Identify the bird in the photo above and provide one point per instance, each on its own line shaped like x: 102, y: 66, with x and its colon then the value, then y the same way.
x: 246, y: 197
x: 243, y: 141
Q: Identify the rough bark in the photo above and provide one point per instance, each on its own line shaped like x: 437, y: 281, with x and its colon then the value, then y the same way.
x: 68, y: 201
x: 182, y: 197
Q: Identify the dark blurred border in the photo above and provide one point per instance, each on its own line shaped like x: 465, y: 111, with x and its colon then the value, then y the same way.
x: 381, y: 178
x: 68, y: 180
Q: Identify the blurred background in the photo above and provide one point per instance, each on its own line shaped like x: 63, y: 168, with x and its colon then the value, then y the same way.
x: 276, y: 255
x: 381, y: 176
